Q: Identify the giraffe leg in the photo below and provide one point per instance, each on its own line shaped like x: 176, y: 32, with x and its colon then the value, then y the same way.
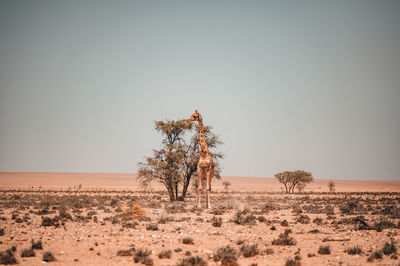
x: 210, y: 175
x: 200, y: 174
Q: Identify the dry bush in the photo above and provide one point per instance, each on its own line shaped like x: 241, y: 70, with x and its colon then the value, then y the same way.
x: 376, y: 255
x: 324, y: 250
x: 216, y: 221
x: 152, y: 227
x: 48, y: 257
x: 292, y: 262
x: 135, y: 211
x: 354, y: 250
x: 166, y: 254
x: 284, y: 239
x: 142, y: 256
x: 125, y: 252
x: 8, y: 256
x: 28, y: 252
x: 37, y: 244
x: 284, y: 223
x: 389, y: 248
x: 303, y: 219
x: 188, y: 241
x: 249, y: 250
x: 318, y: 221
x: 243, y: 219
x: 192, y: 261
x: 227, y: 255
x: 165, y: 219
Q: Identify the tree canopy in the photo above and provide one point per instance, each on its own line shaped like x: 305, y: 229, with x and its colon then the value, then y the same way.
x: 291, y: 180
x: 176, y: 162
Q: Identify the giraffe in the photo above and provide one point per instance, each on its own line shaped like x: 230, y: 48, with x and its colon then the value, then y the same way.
x: 205, y: 166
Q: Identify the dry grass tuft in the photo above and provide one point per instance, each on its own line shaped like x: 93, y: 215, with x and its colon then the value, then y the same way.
x: 192, y: 261
x: 324, y: 250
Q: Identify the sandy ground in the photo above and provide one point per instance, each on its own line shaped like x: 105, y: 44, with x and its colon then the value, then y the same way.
x: 123, y: 181
x: 109, y: 214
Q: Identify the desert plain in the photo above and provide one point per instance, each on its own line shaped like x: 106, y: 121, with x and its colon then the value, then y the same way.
x: 108, y: 219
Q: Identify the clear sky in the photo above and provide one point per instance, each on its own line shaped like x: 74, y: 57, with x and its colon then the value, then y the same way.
x: 287, y: 85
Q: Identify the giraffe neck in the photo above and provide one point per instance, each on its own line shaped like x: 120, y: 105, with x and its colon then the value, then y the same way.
x: 203, y: 143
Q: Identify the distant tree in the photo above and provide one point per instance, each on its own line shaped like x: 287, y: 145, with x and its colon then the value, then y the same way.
x: 176, y: 162
x: 294, y: 179
x: 331, y: 186
x: 226, y: 184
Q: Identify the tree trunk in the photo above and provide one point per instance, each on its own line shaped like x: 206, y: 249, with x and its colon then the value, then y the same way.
x: 176, y: 190
x: 170, y: 192
x: 185, y: 187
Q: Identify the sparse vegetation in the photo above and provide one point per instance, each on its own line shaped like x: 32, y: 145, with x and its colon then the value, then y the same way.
x: 284, y: 239
x: 227, y: 255
x: 376, y: 255
x: 188, y: 241
x: 37, y: 244
x: 331, y: 186
x: 217, y: 221
x: 324, y: 250
x: 8, y: 256
x: 142, y: 256
x: 389, y: 248
x: 48, y: 257
x: 27, y: 253
x: 192, y: 261
x: 249, y: 250
x: 125, y: 252
x: 166, y: 254
x: 354, y: 250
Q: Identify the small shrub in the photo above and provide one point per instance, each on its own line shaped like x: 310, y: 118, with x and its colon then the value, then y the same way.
x: 354, y: 250
x: 314, y: 231
x: 166, y: 254
x: 284, y: 239
x: 249, y: 250
x: 350, y: 207
x: 152, y: 227
x: 226, y: 255
x: 375, y: 255
x: 28, y: 253
x: 243, y: 219
x: 261, y: 219
x: 48, y: 257
x: 389, y: 248
x: 303, y: 219
x: 273, y: 228
x: 284, y: 223
x: 125, y: 252
x: 318, y: 221
x: 135, y: 211
x: 142, y: 256
x: 192, y: 261
x: 292, y: 262
x: 188, y: 241
x: 8, y: 256
x: 1, y: 232
x: 324, y: 250
x: 37, y: 244
x: 216, y: 221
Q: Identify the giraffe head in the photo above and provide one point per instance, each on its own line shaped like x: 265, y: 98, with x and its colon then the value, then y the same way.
x: 195, y: 117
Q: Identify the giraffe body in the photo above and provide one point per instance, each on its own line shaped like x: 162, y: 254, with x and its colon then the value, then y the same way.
x: 205, y: 166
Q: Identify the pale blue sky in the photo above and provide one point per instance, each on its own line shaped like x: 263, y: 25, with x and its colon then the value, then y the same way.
x: 288, y: 85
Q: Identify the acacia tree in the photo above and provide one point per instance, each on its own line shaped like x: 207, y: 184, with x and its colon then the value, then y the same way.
x: 176, y: 162
x: 294, y: 179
